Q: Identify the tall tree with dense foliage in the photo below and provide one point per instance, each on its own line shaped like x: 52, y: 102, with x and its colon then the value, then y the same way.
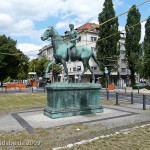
x: 133, y: 35
x: 10, y: 61
x: 107, y: 48
x: 146, y: 47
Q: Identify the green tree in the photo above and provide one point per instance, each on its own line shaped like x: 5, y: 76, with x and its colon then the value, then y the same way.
x: 106, y: 45
x: 146, y: 60
x: 41, y: 66
x: 38, y: 66
x: 139, y: 63
x: 133, y: 35
x: 55, y: 69
x: 23, y: 67
x: 107, y: 48
x: 9, y: 58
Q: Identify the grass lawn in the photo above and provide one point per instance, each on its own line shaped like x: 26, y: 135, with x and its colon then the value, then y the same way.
x: 11, y: 102
x: 137, y: 139
x: 113, y: 102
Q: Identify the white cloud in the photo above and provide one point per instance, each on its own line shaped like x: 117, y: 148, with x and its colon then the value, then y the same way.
x: 121, y: 28
x: 118, y: 3
x: 29, y: 49
x: 24, y: 13
x: 61, y: 25
x: 19, y: 18
x: 23, y: 28
x: 5, y: 21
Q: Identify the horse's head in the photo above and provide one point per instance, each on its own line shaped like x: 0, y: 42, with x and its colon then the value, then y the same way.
x: 47, y: 34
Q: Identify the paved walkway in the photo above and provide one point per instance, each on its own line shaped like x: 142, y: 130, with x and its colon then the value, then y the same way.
x: 113, y: 116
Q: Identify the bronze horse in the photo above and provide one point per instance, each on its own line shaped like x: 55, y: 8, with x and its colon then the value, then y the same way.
x: 60, y: 52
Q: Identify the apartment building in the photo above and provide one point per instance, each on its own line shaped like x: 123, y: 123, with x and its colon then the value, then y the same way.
x: 88, y: 36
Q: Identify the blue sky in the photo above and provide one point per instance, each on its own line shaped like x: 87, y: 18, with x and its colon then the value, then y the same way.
x: 25, y: 21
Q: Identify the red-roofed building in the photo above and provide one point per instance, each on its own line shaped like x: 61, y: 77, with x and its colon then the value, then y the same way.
x: 88, y: 26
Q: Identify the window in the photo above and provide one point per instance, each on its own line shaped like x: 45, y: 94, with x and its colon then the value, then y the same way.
x: 70, y: 69
x: 94, y: 68
x: 122, y: 60
x: 44, y: 53
x: 123, y: 70
x: 93, y: 38
x: 74, y: 68
x: 123, y: 52
x: 78, y: 68
x: 79, y: 38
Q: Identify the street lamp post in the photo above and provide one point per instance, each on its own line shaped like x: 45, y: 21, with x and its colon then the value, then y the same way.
x: 106, y: 76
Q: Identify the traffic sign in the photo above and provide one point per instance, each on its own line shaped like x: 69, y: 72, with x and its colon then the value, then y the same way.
x: 106, y: 71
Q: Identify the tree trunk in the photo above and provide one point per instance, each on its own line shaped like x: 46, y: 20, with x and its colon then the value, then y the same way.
x: 1, y: 83
x: 132, y: 77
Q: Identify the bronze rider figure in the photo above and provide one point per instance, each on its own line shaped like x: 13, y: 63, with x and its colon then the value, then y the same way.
x: 73, y: 37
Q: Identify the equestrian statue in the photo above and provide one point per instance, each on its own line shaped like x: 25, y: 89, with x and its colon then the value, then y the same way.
x: 65, y: 52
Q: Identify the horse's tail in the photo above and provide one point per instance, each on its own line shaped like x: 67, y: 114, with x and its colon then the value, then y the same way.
x: 95, y: 59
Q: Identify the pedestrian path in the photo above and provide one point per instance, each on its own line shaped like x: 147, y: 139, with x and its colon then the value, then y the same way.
x: 113, y: 116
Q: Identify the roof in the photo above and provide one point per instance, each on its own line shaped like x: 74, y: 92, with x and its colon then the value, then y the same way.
x: 88, y: 26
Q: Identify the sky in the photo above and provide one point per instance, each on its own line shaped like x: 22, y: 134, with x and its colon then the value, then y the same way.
x: 25, y: 21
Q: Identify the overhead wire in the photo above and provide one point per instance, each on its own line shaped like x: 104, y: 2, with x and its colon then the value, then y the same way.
x: 117, y: 32
x: 124, y: 12
x: 7, y: 54
x: 122, y: 30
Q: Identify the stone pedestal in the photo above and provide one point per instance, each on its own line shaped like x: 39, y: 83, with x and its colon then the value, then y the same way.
x: 64, y: 100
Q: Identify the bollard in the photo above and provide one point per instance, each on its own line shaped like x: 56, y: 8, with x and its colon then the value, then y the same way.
x: 44, y: 89
x: 131, y: 97
x: 32, y: 89
x: 144, y: 102
x: 116, y: 98
x: 107, y: 94
x: 138, y: 90
x: 6, y: 89
x: 125, y: 90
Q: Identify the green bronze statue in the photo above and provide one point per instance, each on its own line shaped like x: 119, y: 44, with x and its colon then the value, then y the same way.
x: 73, y: 37
x: 63, y: 51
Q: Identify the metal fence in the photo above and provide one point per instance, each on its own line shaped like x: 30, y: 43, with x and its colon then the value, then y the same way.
x: 23, y: 90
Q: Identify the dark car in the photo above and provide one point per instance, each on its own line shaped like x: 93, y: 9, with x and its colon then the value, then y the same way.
x: 42, y: 83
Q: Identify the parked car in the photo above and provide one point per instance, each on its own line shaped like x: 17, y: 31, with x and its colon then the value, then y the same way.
x: 140, y: 84
x: 42, y: 83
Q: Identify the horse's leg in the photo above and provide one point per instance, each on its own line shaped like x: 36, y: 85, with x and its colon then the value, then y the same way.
x: 65, y: 68
x: 48, y: 66
x: 93, y: 77
x: 85, y: 65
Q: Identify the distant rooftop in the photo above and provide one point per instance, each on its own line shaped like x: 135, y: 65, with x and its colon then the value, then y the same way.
x: 88, y: 26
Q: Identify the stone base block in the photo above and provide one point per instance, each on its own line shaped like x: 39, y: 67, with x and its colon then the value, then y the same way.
x: 65, y: 100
